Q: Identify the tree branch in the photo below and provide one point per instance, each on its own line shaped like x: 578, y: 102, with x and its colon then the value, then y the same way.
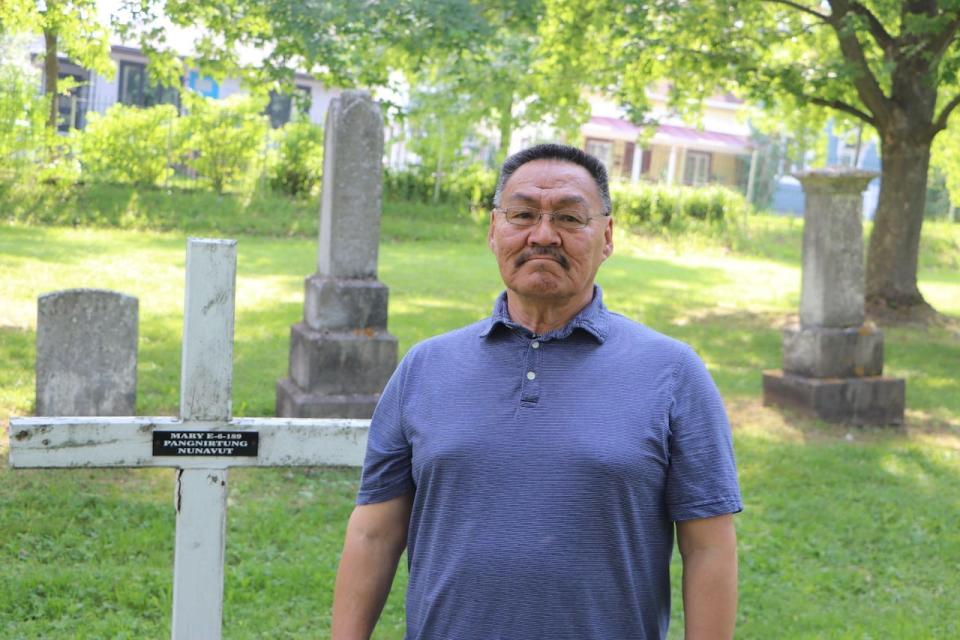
x: 877, y: 30
x: 839, y: 105
x: 865, y: 83
x: 940, y: 42
x: 802, y: 8
x: 941, y: 122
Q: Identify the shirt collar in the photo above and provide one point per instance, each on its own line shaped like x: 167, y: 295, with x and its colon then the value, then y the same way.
x: 592, y: 319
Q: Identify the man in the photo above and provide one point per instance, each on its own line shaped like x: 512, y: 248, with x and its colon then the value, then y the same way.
x: 536, y: 463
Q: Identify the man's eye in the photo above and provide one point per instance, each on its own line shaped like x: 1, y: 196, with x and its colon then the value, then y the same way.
x: 569, y: 219
x: 522, y: 214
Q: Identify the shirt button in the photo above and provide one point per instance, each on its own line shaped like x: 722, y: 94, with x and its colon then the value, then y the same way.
x: 534, y: 345
x: 531, y: 375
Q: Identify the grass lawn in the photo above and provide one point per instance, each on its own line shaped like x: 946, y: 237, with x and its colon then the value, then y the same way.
x: 847, y: 533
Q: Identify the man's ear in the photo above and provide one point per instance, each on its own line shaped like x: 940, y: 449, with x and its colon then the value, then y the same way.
x: 608, y: 238
x: 493, y: 218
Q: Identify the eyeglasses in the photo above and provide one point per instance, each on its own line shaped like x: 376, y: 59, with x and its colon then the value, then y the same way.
x: 526, y: 217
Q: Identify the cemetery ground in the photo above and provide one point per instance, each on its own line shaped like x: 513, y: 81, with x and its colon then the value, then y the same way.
x: 846, y: 533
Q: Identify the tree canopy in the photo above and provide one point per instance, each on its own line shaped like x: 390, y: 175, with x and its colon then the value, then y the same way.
x: 69, y: 28
x: 891, y: 64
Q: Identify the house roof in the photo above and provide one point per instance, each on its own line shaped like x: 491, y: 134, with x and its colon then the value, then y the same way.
x: 713, y: 140
x: 616, y: 124
x: 668, y: 134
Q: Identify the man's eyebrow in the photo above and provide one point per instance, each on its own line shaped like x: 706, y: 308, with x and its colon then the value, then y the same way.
x: 563, y: 201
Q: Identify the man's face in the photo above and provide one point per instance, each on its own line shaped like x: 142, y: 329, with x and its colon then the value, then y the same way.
x: 544, y: 261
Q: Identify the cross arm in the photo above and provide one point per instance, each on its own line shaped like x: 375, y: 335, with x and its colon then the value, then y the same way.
x: 128, y: 442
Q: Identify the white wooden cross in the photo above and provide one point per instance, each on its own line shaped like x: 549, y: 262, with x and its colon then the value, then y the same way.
x: 201, y: 444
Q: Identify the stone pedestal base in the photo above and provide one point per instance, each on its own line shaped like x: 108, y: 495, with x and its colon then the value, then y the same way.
x: 341, y: 362
x: 294, y: 402
x: 335, y: 374
x: 859, y: 401
x: 826, y: 352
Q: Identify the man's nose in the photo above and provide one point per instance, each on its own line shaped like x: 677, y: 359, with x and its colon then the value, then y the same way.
x: 544, y: 232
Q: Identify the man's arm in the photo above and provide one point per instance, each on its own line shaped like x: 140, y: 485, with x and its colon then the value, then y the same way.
x: 376, y: 536
x: 708, y: 547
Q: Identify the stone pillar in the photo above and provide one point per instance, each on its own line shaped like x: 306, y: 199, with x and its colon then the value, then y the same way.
x: 341, y: 355
x: 86, y: 353
x: 833, y: 359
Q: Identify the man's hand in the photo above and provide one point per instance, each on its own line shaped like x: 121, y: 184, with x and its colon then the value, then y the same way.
x: 376, y: 536
x: 708, y: 547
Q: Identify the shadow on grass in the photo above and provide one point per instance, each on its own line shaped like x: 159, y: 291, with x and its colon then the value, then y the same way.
x: 17, y: 380
x: 843, y: 539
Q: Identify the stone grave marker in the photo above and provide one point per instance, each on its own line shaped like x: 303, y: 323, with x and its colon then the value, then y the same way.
x: 201, y: 444
x: 833, y: 359
x: 341, y: 355
x: 86, y: 353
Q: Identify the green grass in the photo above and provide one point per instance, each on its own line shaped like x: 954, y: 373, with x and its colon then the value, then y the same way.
x: 197, y: 211
x: 847, y: 533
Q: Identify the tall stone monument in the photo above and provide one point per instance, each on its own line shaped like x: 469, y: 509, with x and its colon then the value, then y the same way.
x: 833, y: 359
x: 86, y: 353
x: 341, y: 355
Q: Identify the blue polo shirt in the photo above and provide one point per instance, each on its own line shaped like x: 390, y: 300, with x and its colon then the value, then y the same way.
x: 547, y: 474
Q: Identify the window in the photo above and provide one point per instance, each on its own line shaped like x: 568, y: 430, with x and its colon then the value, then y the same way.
x: 73, y: 105
x: 136, y: 88
x: 696, y: 170
x: 849, y: 153
x: 628, y: 151
x: 281, y: 105
x: 645, y: 160
x: 602, y: 149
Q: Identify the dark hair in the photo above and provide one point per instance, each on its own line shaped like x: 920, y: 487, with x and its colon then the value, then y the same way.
x: 562, y: 152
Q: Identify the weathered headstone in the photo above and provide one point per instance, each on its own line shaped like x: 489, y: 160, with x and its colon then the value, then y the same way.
x: 201, y: 444
x: 833, y: 359
x: 341, y: 355
x: 86, y: 353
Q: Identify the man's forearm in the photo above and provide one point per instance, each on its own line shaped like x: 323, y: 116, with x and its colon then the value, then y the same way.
x: 708, y: 547
x: 367, y: 568
x: 710, y: 594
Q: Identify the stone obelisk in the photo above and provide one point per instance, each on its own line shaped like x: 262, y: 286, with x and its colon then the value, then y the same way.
x: 341, y: 354
x: 833, y: 359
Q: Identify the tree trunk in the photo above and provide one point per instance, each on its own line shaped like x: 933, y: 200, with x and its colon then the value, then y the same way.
x: 51, y: 72
x: 505, y: 125
x: 892, y: 257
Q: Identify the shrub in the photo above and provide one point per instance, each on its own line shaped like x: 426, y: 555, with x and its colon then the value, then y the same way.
x: 223, y: 138
x: 474, y: 184
x: 30, y: 152
x: 413, y: 184
x: 130, y: 144
x: 470, y: 186
x: 643, y: 204
x: 297, y: 167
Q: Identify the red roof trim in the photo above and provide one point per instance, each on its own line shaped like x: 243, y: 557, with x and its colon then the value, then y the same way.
x: 673, y: 131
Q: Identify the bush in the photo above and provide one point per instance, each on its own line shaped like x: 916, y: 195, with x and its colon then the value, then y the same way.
x: 223, y: 138
x: 414, y: 184
x: 471, y: 186
x: 297, y: 167
x: 643, y: 204
x: 131, y: 145
x: 30, y: 152
x: 474, y: 184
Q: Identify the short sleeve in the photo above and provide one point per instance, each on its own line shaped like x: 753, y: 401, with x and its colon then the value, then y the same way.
x: 387, y: 463
x: 702, y: 476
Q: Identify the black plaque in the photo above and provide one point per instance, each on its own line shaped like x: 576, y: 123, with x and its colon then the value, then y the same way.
x: 206, y: 444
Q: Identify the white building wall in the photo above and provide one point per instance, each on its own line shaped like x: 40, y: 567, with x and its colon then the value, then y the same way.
x: 320, y: 97
x: 104, y: 92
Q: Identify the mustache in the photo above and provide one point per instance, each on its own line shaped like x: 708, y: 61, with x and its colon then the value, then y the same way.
x: 540, y: 252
